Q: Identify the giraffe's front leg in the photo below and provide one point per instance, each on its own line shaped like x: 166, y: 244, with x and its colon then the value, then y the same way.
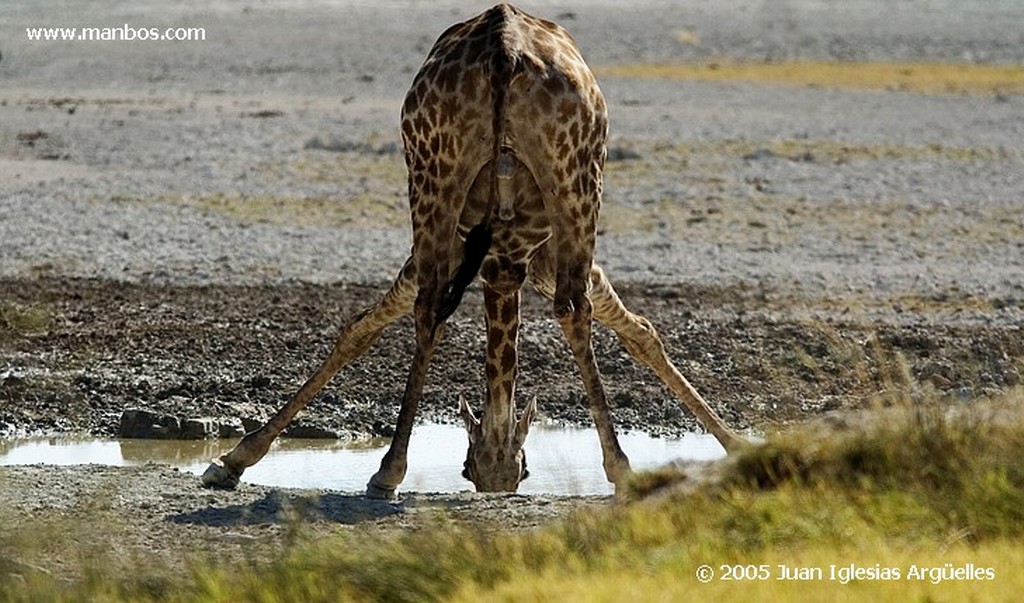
x: 357, y: 336
x: 576, y: 326
x: 574, y: 311
x: 384, y: 483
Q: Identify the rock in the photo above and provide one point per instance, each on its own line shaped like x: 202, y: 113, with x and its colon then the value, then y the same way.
x: 231, y: 428
x: 139, y: 423
x: 311, y: 432
x: 145, y: 424
x: 199, y: 429
x: 941, y: 374
x: 250, y: 424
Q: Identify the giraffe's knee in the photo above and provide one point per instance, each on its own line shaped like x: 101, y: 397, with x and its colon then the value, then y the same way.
x: 503, y: 275
x: 566, y: 307
x: 573, y: 309
x: 572, y: 297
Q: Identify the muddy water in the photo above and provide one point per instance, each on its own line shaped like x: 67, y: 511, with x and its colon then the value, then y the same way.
x: 562, y: 460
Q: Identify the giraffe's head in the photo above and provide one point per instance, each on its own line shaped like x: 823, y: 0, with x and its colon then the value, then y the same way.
x: 496, y: 461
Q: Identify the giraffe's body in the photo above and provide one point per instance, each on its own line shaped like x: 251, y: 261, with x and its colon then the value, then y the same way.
x: 504, y: 130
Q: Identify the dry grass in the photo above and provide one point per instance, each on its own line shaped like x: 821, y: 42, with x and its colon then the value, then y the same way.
x: 357, y: 210
x: 355, y: 189
x: 24, y: 319
x: 923, y: 78
x: 922, y: 490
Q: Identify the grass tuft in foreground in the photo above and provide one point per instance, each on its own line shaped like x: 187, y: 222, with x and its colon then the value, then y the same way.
x: 922, y: 502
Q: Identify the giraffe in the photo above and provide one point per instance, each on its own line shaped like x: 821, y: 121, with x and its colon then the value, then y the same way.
x: 504, y: 131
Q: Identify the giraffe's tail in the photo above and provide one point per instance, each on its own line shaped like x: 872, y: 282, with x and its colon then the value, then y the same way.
x: 478, y: 241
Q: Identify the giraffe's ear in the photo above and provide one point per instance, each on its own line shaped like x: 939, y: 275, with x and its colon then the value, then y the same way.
x: 523, y: 425
x: 472, y: 423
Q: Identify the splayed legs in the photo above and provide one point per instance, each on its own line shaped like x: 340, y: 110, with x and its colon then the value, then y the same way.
x: 642, y: 342
x: 356, y: 337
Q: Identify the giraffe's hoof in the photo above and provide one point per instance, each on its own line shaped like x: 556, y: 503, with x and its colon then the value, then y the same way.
x: 380, y: 491
x: 218, y: 475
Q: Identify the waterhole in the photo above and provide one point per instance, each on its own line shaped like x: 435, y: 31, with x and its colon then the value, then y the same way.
x: 561, y: 460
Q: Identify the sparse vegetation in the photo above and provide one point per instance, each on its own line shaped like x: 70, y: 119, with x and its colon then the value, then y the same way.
x: 350, y: 187
x: 924, y: 78
x: 25, y: 319
x: 922, y: 485
x: 354, y: 210
x: 662, y: 157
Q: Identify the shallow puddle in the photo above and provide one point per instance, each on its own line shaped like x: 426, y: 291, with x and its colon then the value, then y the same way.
x: 562, y: 460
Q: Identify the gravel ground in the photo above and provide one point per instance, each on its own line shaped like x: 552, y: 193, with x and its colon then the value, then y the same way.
x: 184, y: 226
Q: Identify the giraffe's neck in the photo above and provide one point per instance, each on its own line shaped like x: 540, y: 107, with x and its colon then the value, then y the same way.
x: 502, y: 313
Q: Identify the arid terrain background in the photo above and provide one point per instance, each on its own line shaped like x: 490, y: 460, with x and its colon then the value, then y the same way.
x: 185, y: 226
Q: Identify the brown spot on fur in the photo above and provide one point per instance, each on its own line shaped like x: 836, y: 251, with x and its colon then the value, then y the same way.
x: 420, y: 122
x: 448, y: 78
x: 543, y: 100
x: 549, y: 130
x: 475, y: 47
x: 566, y: 109
x: 429, y: 188
x: 489, y: 273
x: 554, y: 84
x: 508, y: 311
x: 495, y: 335
x: 428, y: 100
x: 444, y: 169
x: 470, y: 87
x: 508, y: 358
x: 448, y: 109
x: 411, y: 102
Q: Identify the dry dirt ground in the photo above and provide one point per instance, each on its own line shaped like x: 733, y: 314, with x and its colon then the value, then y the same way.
x: 184, y: 227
